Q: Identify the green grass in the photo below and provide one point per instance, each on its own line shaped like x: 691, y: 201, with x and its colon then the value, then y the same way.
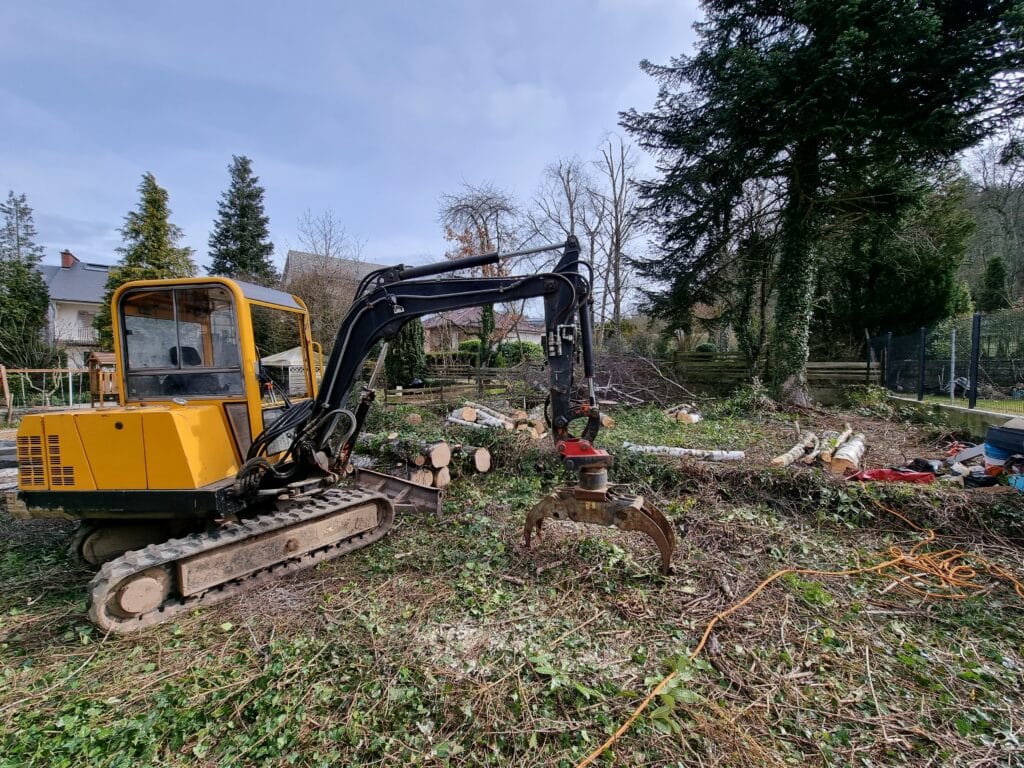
x: 1009, y: 407
x: 447, y: 644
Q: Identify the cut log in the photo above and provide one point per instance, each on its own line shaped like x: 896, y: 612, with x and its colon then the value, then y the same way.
x: 463, y: 423
x: 421, y: 475
x: 607, y: 421
x: 442, y: 478
x: 682, y: 417
x: 848, y: 455
x: 806, y: 442
x: 828, y: 449
x: 494, y: 422
x: 411, y: 449
x: 466, y: 413
x: 413, y: 419
x: 680, y: 408
x: 696, y: 453
x: 479, y: 459
x: 826, y: 438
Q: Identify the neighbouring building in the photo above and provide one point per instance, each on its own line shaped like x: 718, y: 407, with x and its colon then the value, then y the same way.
x: 443, y: 331
x: 345, y: 273
x: 76, y: 290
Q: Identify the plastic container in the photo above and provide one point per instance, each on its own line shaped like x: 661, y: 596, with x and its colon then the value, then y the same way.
x: 995, y: 458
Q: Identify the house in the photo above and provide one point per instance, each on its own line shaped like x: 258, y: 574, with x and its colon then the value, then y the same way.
x: 347, y: 272
x: 76, y: 291
x: 444, y: 331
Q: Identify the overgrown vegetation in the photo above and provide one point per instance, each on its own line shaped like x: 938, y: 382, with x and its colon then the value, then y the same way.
x: 447, y: 644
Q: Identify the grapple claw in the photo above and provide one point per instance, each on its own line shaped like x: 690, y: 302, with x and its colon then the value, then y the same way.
x: 630, y: 513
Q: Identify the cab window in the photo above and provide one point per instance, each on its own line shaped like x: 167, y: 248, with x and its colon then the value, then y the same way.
x: 280, y: 352
x: 180, y: 342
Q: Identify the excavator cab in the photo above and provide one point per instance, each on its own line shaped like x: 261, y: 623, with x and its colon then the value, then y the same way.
x: 203, y: 364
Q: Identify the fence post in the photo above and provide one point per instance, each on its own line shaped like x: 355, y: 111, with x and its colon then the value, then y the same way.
x: 8, y: 401
x: 888, y: 358
x: 920, y: 364
x: 972, y: 398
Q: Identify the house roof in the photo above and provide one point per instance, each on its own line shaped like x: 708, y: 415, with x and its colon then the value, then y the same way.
x: 298, y: 262
x: 82, y: 282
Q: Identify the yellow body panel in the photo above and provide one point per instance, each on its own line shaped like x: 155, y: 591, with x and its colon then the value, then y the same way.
x: 114, y: 443
x: 187, y: 447
x: 153, y: 447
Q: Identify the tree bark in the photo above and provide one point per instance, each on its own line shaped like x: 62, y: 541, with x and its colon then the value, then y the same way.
x: 797, y: 264
x: 848, y: 455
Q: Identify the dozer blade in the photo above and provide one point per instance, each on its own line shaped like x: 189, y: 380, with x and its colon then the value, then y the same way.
x: 630, y: 513
x: 406, y: 495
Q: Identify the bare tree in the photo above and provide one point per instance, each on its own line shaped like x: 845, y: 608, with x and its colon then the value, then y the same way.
x: 997, y: 172
x: 615, y: 169
x: 480, y: 219
x: 326, y: 273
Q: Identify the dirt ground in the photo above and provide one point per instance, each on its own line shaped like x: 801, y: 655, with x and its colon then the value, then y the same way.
x: 447, y: 643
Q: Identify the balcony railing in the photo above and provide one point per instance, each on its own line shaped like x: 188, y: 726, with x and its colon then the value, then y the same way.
x: 78, y: 337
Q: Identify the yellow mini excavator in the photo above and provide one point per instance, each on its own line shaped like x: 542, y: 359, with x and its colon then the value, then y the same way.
x: 223, y: 464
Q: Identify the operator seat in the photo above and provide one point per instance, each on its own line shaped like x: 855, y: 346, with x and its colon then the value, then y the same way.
x: 192, y: 383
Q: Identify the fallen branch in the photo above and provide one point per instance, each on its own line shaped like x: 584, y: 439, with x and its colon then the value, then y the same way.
x: 694, y: 453
x: 808, y: 440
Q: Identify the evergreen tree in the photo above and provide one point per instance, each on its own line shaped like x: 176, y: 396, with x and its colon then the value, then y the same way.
x: 240, y: 242
x: 811, y: 97
x: 150, y: 250
x: 487, y: 326
x: 893, y: 271
x: 24, y: 298
x: 18, y: 236
x: 406, y: 358
x: 992, y: 295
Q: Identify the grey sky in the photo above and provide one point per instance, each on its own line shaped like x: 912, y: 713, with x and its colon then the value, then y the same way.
x: 372, y: 110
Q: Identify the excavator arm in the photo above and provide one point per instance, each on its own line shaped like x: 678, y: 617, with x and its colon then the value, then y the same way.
x: 388, y: 299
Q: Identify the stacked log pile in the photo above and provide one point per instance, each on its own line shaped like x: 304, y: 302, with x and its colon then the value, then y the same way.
x: 840, y: 452
x: 421, y: 461
x: 476, y: 416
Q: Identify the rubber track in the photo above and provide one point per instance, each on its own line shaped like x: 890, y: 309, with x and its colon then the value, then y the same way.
x: 114, y: 572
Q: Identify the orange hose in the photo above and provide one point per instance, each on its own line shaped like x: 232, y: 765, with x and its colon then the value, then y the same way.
x: 947, y: 567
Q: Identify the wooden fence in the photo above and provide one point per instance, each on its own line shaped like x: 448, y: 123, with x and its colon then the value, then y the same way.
x: 720, y: 373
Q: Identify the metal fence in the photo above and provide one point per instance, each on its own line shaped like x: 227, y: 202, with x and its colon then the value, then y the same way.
x: 974, y: 362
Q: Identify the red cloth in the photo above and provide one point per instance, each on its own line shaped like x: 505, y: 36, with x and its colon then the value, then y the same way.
x: 894, y: 476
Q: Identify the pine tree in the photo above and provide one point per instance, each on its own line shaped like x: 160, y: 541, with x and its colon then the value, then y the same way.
x: 992, y: 295
x: 406, y: 360
x: 240, y: 242
x: 150, y: 250
x: 18, y: 236
x: 24, y: 298
x: 810, y: 98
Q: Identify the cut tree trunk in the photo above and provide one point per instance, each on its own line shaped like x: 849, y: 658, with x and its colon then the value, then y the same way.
x: 466, y: 413
x: 696, y: 453
x: 442, y: 478
x: 413, y: 450
x: 848, y: 455
x: 807, y: 442
x: 829, y: 448
x: 421, y: 475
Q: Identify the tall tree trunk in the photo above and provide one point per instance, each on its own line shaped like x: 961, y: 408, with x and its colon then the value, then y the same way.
x: 790, y: 341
